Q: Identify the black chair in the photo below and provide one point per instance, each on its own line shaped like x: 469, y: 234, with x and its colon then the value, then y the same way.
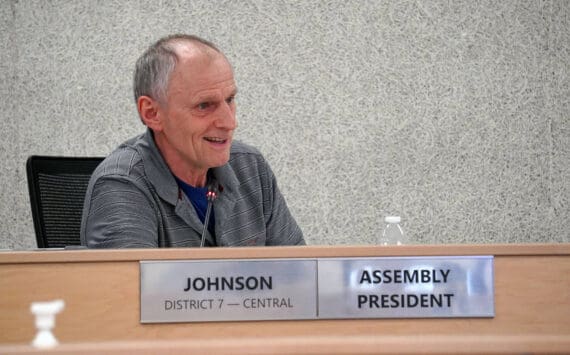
x: 57, y: 188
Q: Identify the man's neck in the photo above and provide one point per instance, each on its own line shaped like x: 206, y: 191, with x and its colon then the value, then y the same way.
x: 180, y: 167
x: 191, y: 179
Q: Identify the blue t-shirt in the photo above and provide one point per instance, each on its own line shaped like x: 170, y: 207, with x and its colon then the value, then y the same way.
x: 197, y: 196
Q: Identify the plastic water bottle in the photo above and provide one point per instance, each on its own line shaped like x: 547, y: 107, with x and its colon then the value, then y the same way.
x: 393, y: 233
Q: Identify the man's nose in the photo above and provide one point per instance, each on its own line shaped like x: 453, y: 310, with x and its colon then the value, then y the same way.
x: 226, y: 117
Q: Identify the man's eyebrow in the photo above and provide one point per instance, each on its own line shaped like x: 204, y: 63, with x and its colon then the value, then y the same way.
x: 208, y: 96
x: 213, y: 95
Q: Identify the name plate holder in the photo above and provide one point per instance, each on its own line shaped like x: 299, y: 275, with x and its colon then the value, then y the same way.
x: 317, y: 288
x: 406, y: 287
x: 227, y: 290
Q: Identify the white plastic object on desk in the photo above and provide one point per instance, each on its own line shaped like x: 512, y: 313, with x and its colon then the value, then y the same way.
x: 393, y: 234
x: 45, y: 321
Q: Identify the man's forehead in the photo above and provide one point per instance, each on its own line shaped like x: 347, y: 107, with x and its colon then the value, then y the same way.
x: 204, y: 78
x: 209, y: 89
x: 196, y: 61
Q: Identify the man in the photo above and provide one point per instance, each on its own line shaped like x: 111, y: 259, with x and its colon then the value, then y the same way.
x: 155, y: 189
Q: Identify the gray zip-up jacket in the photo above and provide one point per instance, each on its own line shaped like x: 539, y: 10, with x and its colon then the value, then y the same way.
x: 133, y: 201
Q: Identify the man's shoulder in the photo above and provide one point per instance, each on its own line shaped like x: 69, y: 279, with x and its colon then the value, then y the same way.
x: 247, y: 161
x: 125, y: 160
x: 244, y: 158
x: 241, y: 148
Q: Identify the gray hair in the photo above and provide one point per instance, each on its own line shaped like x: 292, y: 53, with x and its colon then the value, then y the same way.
x: 156, y: 64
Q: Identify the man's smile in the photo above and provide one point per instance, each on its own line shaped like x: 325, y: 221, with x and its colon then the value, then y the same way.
x: 217, y: 140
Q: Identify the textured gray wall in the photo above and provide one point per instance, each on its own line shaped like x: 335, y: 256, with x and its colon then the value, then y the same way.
x: 453, y: 114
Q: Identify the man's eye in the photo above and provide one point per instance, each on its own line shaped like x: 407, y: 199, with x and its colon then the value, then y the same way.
x: 203, y: 105
x: 230, y: 99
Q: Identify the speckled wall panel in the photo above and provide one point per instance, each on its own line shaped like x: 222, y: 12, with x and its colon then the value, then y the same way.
x: 453, y: 114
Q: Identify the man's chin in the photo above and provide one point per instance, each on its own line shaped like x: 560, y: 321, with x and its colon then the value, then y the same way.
x: 220, y: 162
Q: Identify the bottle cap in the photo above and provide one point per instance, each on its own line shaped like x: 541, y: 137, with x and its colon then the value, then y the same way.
x: 392, y: 219
x: 45, y: 321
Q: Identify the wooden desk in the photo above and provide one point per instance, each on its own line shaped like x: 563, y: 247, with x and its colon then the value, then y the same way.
x: 101, y: 290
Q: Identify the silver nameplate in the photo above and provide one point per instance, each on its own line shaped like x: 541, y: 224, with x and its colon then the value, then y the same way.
x: 406, y: 287
x: 191, y: 291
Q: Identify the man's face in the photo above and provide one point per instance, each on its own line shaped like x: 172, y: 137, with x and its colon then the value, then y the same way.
x: 198, y: 119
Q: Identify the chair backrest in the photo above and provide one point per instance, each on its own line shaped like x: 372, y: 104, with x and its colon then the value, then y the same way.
x: 57, y: 188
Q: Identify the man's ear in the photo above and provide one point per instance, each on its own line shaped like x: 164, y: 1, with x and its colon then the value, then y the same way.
x: 149, y: 112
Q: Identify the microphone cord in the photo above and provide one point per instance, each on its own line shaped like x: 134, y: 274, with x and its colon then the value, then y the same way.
x: 211, y: 196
